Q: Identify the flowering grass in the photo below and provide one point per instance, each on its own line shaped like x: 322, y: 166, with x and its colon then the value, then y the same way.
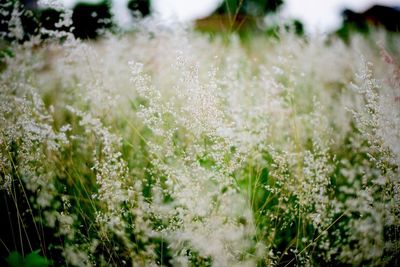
x: 167, y: 148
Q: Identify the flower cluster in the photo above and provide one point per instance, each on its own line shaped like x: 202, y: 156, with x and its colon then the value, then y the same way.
x: 163, y: 147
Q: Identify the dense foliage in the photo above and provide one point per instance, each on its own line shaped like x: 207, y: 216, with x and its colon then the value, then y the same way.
x: 161, y: 147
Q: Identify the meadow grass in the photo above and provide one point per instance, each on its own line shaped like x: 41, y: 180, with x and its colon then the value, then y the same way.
x: 163, y: 147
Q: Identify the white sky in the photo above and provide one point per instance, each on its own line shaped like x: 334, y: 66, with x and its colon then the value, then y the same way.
x: 185, y: 10
x: 317, y: 15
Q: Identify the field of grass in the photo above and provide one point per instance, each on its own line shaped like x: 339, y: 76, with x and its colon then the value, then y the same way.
x: 167, y: 148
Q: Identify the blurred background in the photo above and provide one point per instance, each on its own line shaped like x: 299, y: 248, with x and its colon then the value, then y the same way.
x: 309, y: 17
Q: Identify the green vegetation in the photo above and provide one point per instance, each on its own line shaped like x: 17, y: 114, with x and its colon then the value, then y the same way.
x: 162, y: 147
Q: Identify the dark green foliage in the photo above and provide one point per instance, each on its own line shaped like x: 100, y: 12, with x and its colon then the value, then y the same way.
x: 143, y: 6
x: 31, y: 260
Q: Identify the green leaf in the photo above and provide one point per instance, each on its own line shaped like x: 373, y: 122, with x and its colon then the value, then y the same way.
x: 15, y: 259
x: 33, y: 259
